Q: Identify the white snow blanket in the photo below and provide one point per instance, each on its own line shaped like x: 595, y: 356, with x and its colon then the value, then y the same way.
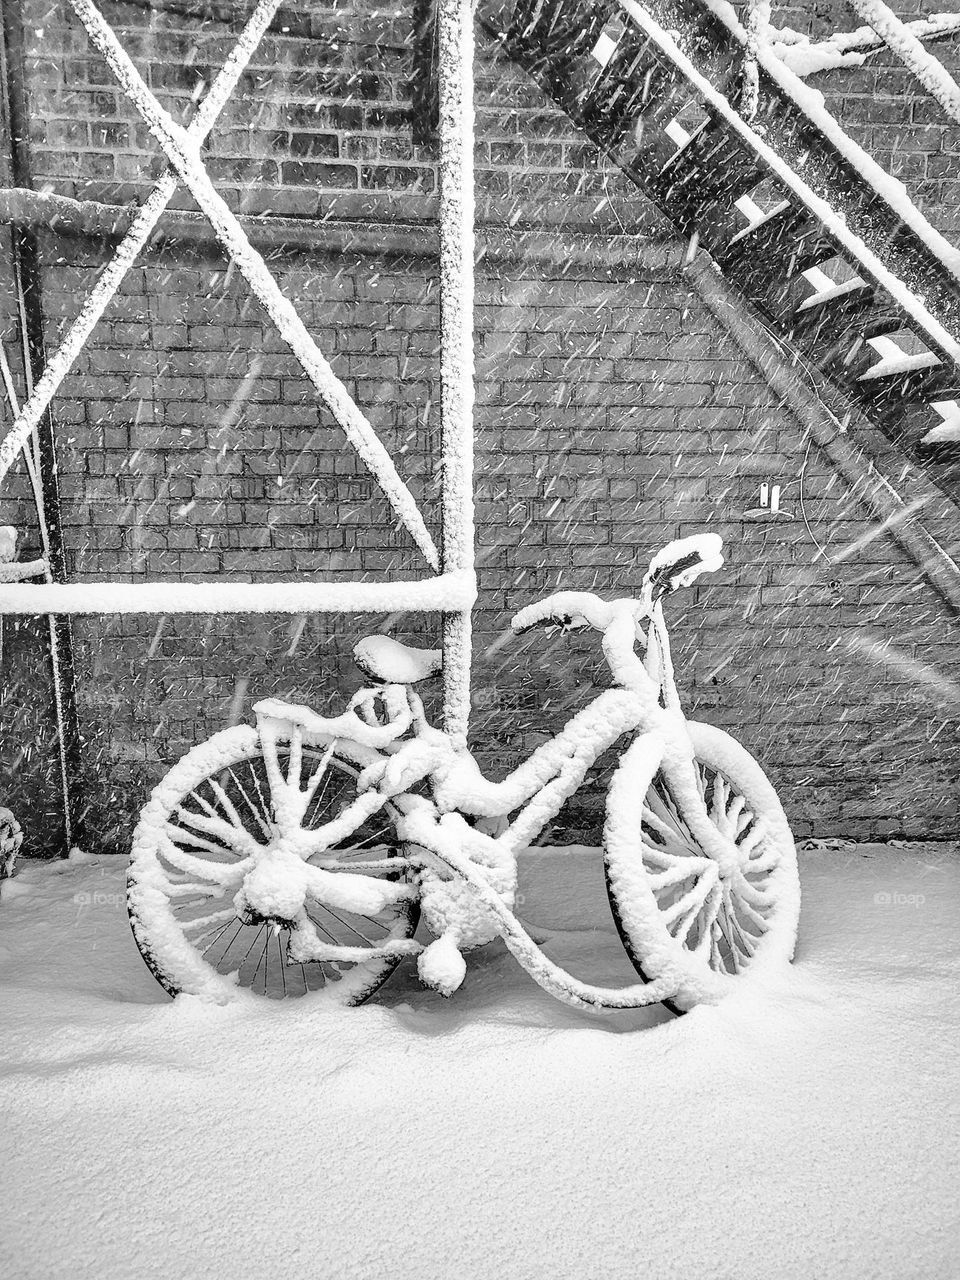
x: 497, y: 1134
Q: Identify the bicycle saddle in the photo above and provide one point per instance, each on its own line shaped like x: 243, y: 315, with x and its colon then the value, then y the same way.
x: 392, y: 662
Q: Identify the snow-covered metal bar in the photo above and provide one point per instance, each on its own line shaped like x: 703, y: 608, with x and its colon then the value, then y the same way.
x: 890, y: 190
x: 805, y: 57
x: 931, y: 73
x: 758, y: 26
x: 60, y: 363
x: 20, y: 570
x: 455, y: 39
x: 449, y: 592
x: 183, y: 152
x: 867, y: 261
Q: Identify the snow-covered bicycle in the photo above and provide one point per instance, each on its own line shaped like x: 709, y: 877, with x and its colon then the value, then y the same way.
x: 297, y: 857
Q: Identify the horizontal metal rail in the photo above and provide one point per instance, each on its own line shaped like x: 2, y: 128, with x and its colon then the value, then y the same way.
x: 444, y: 593
x: 559, y: 245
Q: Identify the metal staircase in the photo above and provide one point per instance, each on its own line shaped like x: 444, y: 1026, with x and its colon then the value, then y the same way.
x: 790, y: 220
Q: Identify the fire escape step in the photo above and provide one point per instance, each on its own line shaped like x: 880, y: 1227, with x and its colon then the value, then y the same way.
x: 636, y: 102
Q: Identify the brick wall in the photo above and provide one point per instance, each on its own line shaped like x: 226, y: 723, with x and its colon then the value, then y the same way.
x: 884, y: 109
x: 613, y: 414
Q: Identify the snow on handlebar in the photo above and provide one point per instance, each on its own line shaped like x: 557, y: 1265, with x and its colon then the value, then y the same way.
x: 568, y: 608
x: 678, y: 565
x: 681, y: 562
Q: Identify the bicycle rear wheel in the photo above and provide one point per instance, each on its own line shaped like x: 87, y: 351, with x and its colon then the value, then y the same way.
x: 184, y: 876
x: 677, y: 916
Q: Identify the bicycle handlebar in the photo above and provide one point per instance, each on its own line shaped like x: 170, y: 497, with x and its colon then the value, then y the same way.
x: 569, y: 608
x: 678, y: 564
x: 681, y: 562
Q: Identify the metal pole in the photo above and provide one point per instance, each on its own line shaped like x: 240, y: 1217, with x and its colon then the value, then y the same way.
x: 27, y: 274
x: 455, y: 52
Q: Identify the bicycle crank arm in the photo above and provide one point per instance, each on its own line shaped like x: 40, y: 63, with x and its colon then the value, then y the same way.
x: 303, y: 949
x: 420, y: 830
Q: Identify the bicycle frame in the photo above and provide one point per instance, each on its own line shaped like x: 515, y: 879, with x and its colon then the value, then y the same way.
x: 439, y: 840
x: 460, y: 870
x: 646, y: 699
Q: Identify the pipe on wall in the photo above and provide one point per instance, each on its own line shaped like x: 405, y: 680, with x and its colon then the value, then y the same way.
x: 29, y: 301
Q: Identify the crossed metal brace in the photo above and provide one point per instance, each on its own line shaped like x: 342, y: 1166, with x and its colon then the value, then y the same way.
x: 182, y: 149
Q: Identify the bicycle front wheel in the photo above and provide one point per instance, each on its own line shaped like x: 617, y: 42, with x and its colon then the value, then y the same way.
x: 677, y: 915
x: 190, y: 855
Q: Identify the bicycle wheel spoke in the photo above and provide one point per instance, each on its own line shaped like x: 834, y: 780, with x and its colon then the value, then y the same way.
x: 265, y: 804
x: 701, y: 775
x: 259, y: 814
x: 753, y: 837
x: 226, y: 804
x: 367, y: 841
x: 691, y: 901
x: 675, y: 876
x: 347, y: 925
x: 319, y: 796
x: 207, y: 947
x: 658, y: 807
x: 658, y: 855
x: 750, y: 893
x: 745, y: 943
x: 718, y: 808
x: 281, y: 961
x: 747, y: 909
x: 321, y: 928
x: 224, y: 874
x: 765, y: 861
x: 180, y: 836
x: 227, y: 949
x: 213, y: 924
x: 271, y: 763
x: 295, y: 761
x: 721, y: 926
x: 211, y: 809
x: 665, y: 830
x: 262, y: 960
x: 215, y: 826
x: 707, y: 919
x: 735, y: 810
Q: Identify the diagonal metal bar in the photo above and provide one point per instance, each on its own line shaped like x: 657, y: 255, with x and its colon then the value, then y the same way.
x: 183, y: 151
x: 929, y: 70
x: 60, y: 363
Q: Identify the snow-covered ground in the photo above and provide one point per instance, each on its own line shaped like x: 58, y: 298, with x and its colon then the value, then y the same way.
x: 497, y: 1134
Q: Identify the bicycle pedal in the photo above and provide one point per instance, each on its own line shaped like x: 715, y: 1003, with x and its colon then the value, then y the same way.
x: 441, y: 966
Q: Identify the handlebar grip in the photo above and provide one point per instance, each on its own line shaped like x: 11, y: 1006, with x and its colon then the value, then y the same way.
x: 568, y: 608
x: 680, y: 563
x: 530, y: 616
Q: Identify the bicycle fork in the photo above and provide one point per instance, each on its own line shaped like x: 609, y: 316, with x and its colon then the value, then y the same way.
x: 669, y: 750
